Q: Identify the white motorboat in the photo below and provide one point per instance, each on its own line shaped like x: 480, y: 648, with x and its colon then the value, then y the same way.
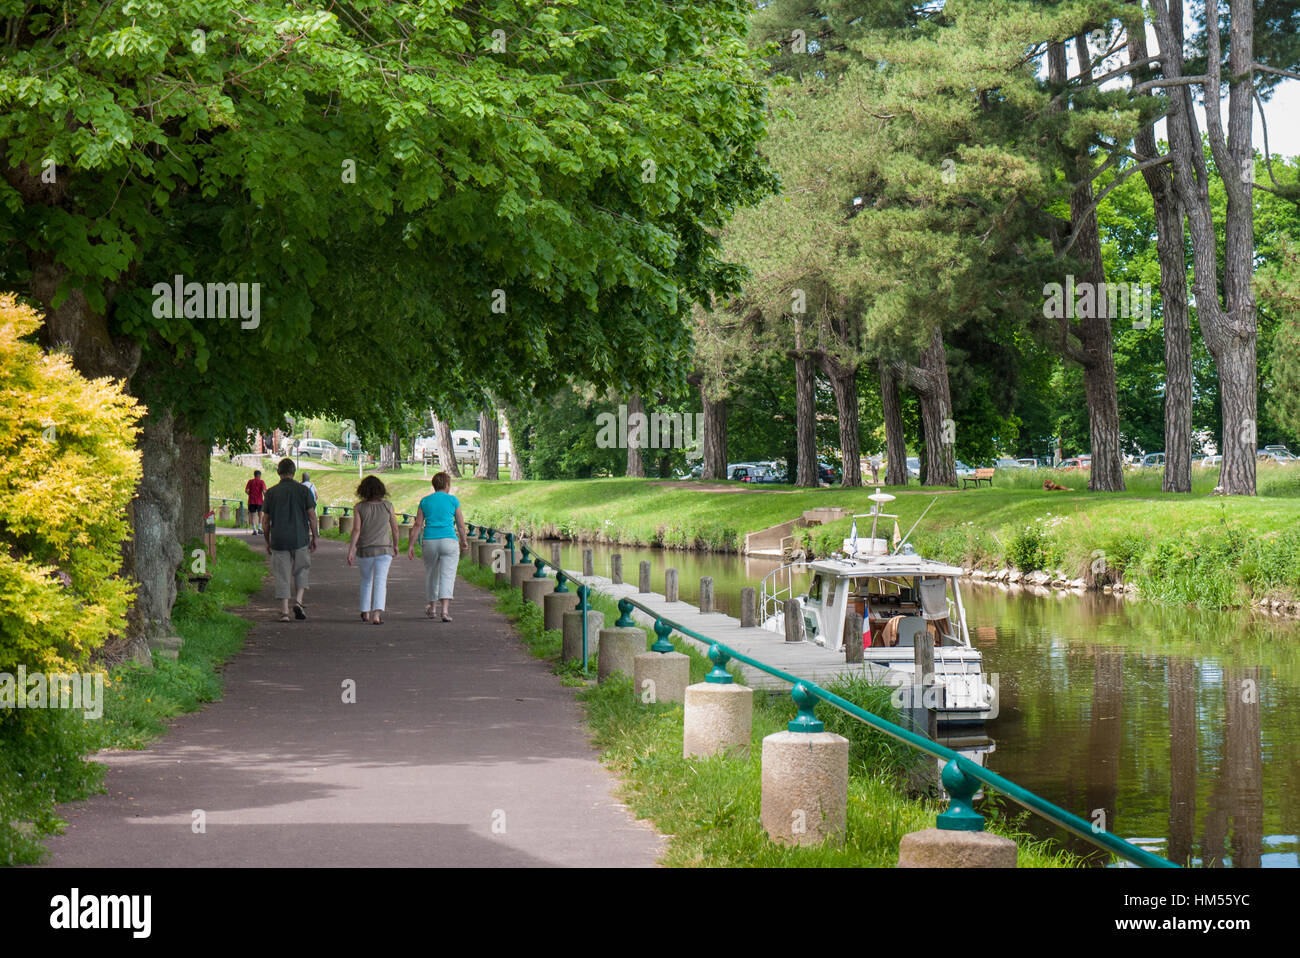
x: 902, y: 598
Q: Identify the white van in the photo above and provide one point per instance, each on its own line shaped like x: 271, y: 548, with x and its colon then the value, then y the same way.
x: 315, y: 448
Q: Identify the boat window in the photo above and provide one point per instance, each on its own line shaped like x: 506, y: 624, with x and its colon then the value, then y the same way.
x: 830, y: 592
x: 815, y: 590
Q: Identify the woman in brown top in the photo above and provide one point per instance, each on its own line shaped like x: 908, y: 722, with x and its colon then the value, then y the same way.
x: 373, y: 545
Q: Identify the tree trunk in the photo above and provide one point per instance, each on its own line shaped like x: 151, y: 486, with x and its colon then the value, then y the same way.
x: 516, y: 467
x: 637, y: 438
x: 936, y: 416
x: 446, y: 451
x: 487, y: 444
x: 1170, y: 250
x: 194, y: 468
x: 844, y: 384
x: 153, y: 553
x: 895, y: 440
x: 715, y: 436
x: 805, y: 412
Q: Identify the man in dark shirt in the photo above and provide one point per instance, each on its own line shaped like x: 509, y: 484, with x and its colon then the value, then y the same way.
x: 290, y: 528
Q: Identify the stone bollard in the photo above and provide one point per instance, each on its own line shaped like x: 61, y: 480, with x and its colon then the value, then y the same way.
x: 719, y: 713
x: 554, y: 605
x: 670, y: 585
x: 748, y: 608
x: 661, y: 674
x: 241, y: 516
x: 536, y: 589
x: 959, y: 841
x: 519, y: 572
x: 616, y: 569
x: 643, y: 579
x: 483, y: 553
x: 555, y: 554
x: 805, y: 780
x: 588, y: 562
x: 571, y: 645
x: 224, y: 512
x: 706, y: 594
x: 328, y: 522
x: 793, y: 618
x: 345, y: 525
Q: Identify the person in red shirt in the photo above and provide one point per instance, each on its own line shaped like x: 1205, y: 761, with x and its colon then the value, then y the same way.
x: 255, y: 488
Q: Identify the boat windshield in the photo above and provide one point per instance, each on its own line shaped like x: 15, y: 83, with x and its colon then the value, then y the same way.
x: 879, y: 599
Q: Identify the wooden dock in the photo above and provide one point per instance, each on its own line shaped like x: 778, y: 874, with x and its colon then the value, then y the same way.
x: 803, y: 659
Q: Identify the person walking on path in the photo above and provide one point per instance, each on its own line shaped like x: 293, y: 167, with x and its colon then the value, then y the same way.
x: 311, y: 486
x: 255, y: 489
x: 373, y: 545
x: 438, y: 526
x: 290, y: 538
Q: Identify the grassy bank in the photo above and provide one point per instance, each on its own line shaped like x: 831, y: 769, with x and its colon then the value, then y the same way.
x: 1195, y: 548
x: 45, y: 754
x: 709, y: 808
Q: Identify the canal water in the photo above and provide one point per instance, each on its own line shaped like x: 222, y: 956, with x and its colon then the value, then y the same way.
x: 1176, y: 729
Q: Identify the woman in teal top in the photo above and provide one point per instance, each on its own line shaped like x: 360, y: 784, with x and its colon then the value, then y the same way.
x: 440, y: 527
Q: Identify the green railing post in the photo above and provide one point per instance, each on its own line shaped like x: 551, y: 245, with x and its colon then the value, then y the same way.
x: 663, y: 630
x: 492, y: 535
x: 582, y: 608
x: 961, y: 815
x: 470, y: 527
x: 540, y: 565
x: 625, y: 615
x: 510, y: 544
x: 560, y: 579
x: 719, y: 675
x: 806, y: 720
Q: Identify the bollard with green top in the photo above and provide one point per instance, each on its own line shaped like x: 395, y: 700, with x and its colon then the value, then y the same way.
x: 719, y: 715
x: 662, y: 673
x: 805, y: 778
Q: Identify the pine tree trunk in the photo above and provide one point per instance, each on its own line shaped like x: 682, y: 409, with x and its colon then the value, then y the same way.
x: 895, y: 440
x: 936, y: 416
x: 1236, y: 363
x: 805, y: 412
x: 715, y: 437
x: 844, y: 384
x: 636, y: 439
x: 195, y: 468
x: 446, y: 451
x: 487, y: 444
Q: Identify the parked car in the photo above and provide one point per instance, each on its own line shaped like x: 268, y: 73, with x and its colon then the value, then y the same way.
x: 1007, y: 464
x: 314, y: 448
x: 1282, y: 450
x: 746, y: 472
x: 914, y: 466
x: 775, y: 471
x: 1153, y: 459
x: 1028, y: 463
x: 826, y: 473
x: 1209, y: 461
x: 1278, y: 458
x: 1078, y: 463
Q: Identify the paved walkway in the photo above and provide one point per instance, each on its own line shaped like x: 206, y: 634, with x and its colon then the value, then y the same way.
x: 461, y: 750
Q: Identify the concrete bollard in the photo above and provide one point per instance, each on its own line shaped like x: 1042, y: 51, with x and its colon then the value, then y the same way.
x: 616, y: 569
x: 554, y: 605
x: 328, y: 522
x: 345, y: 525
x: 718, y: 721
x: 224, y: 512
x: 661, y: 676
x: 588, y: 562
x: 643, y: 579
x: 241, y: 516
x: 571, y: 644
x: 748, y: 608
x: 793, y: 621
x: 940, y: 848
x: 555, y: 553
x: 670, y: 585
x: 519, y: 572
x: 706, y: 594
x: 805, y: 784
x: 619, y: 647
x: 483, y: 553
x: 536, y: 589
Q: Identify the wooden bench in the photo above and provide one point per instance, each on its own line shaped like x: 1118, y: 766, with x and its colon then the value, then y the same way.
x: 981, y: 475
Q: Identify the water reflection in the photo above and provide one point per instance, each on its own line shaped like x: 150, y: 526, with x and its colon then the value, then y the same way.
x: 1179, y: 726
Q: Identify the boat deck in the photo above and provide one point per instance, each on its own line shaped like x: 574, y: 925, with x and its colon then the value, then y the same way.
x: 804, y: 659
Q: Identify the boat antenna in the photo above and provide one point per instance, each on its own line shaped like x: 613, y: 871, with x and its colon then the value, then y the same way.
x: 914, y: 525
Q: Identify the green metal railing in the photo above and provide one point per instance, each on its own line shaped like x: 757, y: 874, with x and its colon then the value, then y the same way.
x: 961, y: 777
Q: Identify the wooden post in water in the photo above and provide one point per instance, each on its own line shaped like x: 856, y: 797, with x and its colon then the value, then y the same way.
x: 793, y: 621
x: 616, y: 569
x: 588, y: 563
x: 853, y: 636
x: 706, y: 593
x: 748, y: 614
x: 923, y: 660
x: 670, y: 585
x: 643, y: 583
x: 555, y: 553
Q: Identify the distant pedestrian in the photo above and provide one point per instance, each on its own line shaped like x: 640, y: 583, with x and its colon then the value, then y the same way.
x: 290, y: 538
x: 373, y: 545
x: 255, y: 489
x: 439, y: 524
x: 306, y: 481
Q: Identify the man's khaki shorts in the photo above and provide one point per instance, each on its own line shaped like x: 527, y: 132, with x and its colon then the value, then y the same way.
x: 290, y: 571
